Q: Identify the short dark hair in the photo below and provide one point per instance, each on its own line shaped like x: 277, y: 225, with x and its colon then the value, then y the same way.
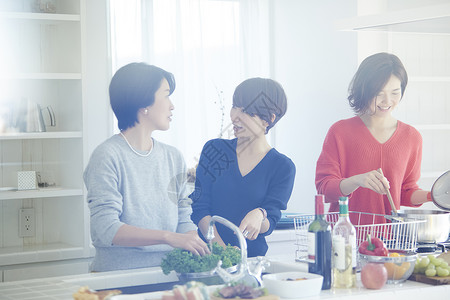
x: 133, y: 87
x: 370, y: 78
x: 262, y: 97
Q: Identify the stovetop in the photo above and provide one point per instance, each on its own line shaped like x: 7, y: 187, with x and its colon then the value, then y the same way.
x: 430, y: 248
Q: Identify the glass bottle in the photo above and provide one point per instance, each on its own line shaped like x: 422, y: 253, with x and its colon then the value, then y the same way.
x: 319, y: 244
x: 344, y: 249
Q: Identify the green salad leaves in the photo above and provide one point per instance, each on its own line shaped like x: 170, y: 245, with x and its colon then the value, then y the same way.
x: 182, y: 261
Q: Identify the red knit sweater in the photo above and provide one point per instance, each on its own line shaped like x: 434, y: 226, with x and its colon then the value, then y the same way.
x: 350, y: 149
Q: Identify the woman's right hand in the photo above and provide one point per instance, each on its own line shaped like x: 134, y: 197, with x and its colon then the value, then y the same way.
x: 372, y: 180
x: 189, y: 241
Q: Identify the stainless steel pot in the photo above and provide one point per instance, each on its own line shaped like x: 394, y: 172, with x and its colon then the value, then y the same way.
x: 436, y: 228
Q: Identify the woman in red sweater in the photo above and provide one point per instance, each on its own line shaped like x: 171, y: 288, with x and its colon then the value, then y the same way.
x: 354, y: 149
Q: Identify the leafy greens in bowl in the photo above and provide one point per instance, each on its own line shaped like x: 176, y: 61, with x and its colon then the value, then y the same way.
x: 182, y: 261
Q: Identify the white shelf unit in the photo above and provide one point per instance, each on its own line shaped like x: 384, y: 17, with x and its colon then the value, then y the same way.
x: 39, y: 16
x: 42, y: 60
x: 41, y: 193
x: 50, y: 76
x: 40, y: 135
x: 419, y: 33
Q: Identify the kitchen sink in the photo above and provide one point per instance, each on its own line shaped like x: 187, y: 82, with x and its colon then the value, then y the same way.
x: 149, y: 280
x: 147, y: 288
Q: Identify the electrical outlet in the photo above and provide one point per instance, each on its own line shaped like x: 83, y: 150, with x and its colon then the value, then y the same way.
x: 27, y: 226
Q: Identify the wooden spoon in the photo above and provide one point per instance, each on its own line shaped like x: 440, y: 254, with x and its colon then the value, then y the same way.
x: 388, y: 193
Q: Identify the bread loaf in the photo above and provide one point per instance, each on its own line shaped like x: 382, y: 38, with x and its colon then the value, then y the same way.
x: 84, y: 293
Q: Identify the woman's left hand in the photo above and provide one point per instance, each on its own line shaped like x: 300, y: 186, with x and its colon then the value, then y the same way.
x: 251, y: 224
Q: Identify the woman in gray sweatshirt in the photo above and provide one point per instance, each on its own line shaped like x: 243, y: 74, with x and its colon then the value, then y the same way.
x: 136, y: 185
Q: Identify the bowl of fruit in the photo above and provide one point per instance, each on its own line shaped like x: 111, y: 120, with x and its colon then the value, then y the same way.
x: 399, y: 264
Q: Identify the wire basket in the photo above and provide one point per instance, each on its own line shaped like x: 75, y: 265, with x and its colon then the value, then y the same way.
x: 396, y: 233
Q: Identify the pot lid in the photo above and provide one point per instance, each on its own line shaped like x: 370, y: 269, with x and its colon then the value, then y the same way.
x: 440, y: 192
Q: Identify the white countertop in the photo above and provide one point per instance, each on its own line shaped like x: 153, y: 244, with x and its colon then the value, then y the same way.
x: 63, y: 287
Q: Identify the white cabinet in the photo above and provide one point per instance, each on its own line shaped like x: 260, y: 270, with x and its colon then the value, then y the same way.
x: 419, y: 33
x: 42, y: 61
x: 48, y: 269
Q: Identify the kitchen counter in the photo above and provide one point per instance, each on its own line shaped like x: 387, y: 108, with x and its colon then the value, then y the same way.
x: 63, y: 287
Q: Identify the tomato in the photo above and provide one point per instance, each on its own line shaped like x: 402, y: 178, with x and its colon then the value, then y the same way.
x: 374, y: 276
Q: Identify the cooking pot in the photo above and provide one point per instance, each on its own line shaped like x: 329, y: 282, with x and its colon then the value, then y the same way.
x: 436, y: 228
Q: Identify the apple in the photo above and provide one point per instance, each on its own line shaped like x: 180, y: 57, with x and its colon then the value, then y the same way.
x: 374, y: 276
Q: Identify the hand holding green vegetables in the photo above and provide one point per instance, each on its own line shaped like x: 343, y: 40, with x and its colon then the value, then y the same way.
x: 182, y: 261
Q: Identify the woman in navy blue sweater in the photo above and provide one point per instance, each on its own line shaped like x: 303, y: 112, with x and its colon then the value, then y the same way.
x: 245, y: 180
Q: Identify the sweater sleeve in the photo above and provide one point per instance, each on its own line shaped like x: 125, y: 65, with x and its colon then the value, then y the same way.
x: 328, y: 172
x: 412, y: 175
x: 279, y: 193
x: 201, y: 197
x: 103, y: 197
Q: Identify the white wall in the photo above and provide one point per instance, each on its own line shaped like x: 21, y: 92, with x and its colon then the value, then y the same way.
x: 312, y: 60
x: 315, y: 63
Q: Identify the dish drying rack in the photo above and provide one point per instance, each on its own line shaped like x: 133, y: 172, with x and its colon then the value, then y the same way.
x: 397, y: 233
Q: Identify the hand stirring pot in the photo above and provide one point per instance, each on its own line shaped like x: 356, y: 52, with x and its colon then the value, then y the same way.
x: 395, y: 217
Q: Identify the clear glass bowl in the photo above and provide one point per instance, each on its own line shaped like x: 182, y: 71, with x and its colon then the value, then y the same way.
x: 204, y: 277
x: 399, y: 268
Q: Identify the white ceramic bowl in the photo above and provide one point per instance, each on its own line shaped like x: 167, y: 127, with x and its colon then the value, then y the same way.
x: 286, y: 284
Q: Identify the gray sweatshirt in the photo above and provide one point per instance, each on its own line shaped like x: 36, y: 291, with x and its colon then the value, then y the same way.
x: 125, y: 188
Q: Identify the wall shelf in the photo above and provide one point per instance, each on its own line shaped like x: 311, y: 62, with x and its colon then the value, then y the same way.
x: 433, y: 19
x: 429, y: 78
x: 39, y: 16
x: 40, y: 193
x: 432, y: 127
x: 39, y: 76
x: 432, y: 175
x: 40, y: 135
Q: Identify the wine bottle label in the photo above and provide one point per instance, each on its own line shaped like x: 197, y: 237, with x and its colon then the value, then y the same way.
x: 311, y: 245
x: 352, y: 238
x: 339, y: 252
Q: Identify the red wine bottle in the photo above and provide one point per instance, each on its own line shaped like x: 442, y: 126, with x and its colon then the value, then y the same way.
x: 319, y: 244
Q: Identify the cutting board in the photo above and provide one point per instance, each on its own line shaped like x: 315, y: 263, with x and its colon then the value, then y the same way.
x: 430, y: 280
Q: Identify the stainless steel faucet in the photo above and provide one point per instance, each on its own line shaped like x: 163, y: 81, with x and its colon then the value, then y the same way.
x: 244, y: 273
